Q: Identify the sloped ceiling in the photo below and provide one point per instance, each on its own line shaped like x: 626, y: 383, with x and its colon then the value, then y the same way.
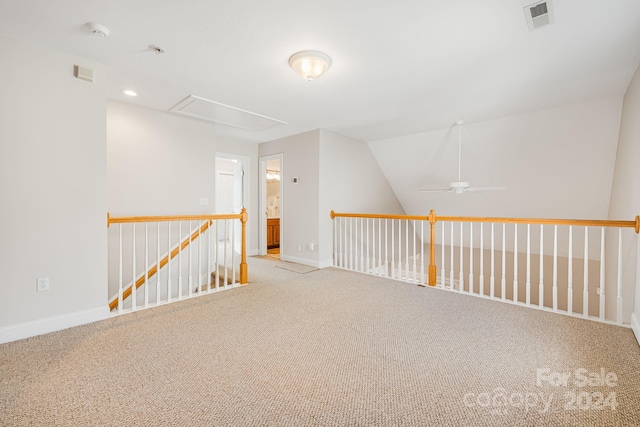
x: 399, y: 68
x: 555, y: 163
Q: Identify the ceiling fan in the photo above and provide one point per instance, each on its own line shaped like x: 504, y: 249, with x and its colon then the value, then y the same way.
x: 460, y: 186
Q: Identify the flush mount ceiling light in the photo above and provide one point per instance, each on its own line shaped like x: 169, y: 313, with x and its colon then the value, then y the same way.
x: 97, y: 29
x: 310, y: 64
x: 129, y: 92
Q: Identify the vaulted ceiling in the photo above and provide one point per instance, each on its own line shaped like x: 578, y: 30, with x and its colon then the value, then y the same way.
x: 398, y: 67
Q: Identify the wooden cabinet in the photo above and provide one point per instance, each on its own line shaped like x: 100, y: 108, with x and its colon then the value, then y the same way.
x: 273, y: 233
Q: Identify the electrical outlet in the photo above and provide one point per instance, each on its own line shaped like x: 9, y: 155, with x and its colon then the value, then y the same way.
x: 42, y: 284
x: 204, y: 201
x: 299, y: 248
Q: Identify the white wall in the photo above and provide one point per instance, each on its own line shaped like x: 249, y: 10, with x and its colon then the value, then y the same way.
x: 350, y: 181
x: 53, y: 182
x: 162, y: 164
x: 625, y: 191
x: 299, y: 202
x: 555, y: 163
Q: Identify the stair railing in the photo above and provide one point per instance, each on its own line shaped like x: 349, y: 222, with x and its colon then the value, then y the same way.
x: 160, y: 259
x: 582, y: 268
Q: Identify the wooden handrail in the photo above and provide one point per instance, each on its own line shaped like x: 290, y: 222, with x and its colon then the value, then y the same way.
x: 129, y: 219
x: 545, y: 221
x: 242, y: 216
x: 433, y: 218
x: 378, y: 216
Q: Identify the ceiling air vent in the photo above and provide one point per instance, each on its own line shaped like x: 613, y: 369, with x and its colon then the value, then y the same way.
x: 539, y: 14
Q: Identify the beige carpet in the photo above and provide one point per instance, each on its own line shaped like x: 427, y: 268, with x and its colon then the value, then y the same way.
x: 331, y: 348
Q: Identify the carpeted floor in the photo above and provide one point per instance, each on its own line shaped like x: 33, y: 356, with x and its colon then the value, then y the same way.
x: 329, y: 348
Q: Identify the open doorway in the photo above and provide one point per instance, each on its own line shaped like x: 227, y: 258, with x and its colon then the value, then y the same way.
x: 271, y: 199
x: 231, y: 191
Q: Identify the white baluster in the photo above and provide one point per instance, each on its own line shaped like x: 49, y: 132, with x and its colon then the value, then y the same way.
x: 347, y: 243
x: 368, y: 255
x: 461, y: 273
x: 602, y: 284
x: 345, y: 231
x: 169, y: 284
x: 399, y: 249
x: 406, y: 267
x: 146, y: 265
x: 541, y: 283
x: 585, y: 291
x: 233, y: 252
x: 350, y: 243
x: 503, y: 278
x: 134, y: 290
x: 470, y: 257
x: 120, y: 290
x: 335, y: 241
x: 451, y: 284
x: 619, y: 299
x: 380, y: 246
x: 570, y: 274
x: 355, y: 245
x: 555, y: 268
x: 158, y: 263
x: 342, y: 230
x: 393, y: 250
x: 386, y: 248
x: 515, y: 264
x: 415, y: 272
x: 422, y: 252
x: 190, y: 259
x: 443, y: 277
x: 224, y: 257
x: 528, y: 283
x: 209, y: 253
x: 179, y: 263
x: 481, y: 273
x: 217, y: 256
x: 362, y: 242
x: 199, y: 283
x: 492, y: 280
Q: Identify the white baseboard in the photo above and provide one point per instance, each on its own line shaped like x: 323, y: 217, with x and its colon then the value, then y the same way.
x: 635, y: 326
x: 52, y: 324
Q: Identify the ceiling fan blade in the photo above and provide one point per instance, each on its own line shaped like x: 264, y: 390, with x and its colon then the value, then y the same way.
x: 482, y: 189
x: 437, y: 190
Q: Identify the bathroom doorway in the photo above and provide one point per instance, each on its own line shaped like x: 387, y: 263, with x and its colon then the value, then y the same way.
x: 271, y: 201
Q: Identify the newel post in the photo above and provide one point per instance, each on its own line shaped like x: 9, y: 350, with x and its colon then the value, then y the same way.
x: 244, y: 270
x: 432, y: 248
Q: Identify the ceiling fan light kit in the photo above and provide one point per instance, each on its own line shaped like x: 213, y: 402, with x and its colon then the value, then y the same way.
x: 459, y: 186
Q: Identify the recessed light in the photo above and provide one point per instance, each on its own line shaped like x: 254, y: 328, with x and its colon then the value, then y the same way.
x: 129, y: 92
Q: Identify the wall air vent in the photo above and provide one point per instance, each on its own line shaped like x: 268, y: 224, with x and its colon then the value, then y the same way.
x: 539, y: 14
x: 83, y: 73
x: 216, y: 112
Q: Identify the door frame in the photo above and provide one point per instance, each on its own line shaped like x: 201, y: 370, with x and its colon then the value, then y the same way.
x: 262, y: 247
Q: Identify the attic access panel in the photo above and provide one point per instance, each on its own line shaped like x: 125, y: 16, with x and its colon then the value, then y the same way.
x: 205, y: 109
